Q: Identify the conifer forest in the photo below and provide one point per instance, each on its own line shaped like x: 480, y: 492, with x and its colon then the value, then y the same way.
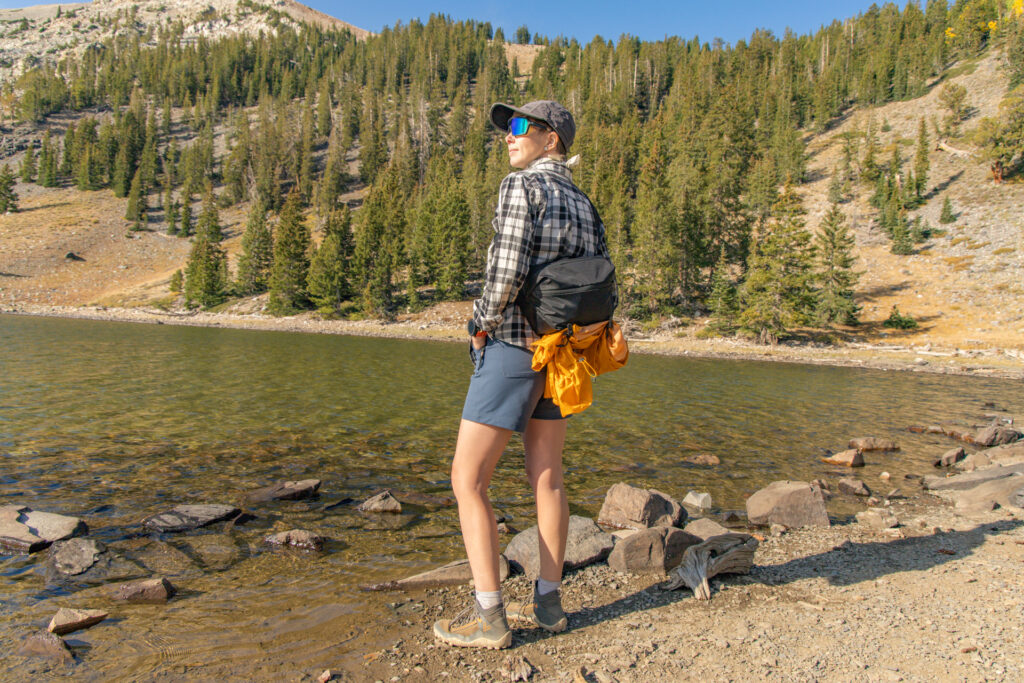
x: 369, y: 171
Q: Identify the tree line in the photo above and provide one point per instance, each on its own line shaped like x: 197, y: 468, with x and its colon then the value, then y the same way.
x: 693, y: 151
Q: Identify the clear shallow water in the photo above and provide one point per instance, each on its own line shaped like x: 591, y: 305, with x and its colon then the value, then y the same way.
x: 116, y: 421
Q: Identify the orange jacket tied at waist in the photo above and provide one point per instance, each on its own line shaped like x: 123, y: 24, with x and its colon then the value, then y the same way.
x: 573, y: 357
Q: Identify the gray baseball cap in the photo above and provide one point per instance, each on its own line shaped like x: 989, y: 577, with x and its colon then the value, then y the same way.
x: 549, y: 112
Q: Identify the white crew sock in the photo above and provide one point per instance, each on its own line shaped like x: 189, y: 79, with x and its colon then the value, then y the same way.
x: 488, y: 599
x: 545, y: 587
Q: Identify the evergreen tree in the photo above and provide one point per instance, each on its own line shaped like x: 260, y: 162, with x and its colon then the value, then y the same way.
x: 328, y: 272
x: 257, y: 258
x: 67, y: 161
x: 778, y: 292
x: 722, y: 301
x: 902, y: 244
x: 48, y: 162
x: 209, y: 217
x: 836, y: 275
x: 176, y: 282
x: 656, y: 227
x: 134, y: 198
x: 205, y: 273
x: 869, y: 169
x: 186, y: 215
x: 921, y: 162
x: 8, y: 197
x: 835, y: 187
x: 947, y: 215
x: 323, y: 110
x: 28, y: 165
x: 121, y: 179
x: 291, y: 259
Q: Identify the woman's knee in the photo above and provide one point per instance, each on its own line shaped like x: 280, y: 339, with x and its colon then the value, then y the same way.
x: 544, y: 478
x: 467, y: 482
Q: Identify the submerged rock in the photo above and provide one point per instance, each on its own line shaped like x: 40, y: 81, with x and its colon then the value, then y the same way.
x: 873, y: 443
x: 299, y: 538
x: 26, y: 530
x: 188, y: 517
x: 149, y: 590
x: 285, y: 490
x: 76, y: 556
x: 792, y: 504
x: 629, y: 507
x: 381, y: 502
x: 87, y: 561
x: 703, y: 459
x: 47, y: 646
x: 853, y: 487
x: 586, y: 544
x: 69, y: 620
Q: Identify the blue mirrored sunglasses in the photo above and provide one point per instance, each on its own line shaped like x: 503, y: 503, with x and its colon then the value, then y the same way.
x: 517, y: 125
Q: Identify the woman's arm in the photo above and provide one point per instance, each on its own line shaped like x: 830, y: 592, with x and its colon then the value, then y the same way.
x: 508, y: 258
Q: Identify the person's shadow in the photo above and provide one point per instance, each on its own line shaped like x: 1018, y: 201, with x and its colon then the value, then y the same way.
x: 843, y: 565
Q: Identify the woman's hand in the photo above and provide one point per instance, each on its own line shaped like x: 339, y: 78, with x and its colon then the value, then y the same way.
x: 478, y: 342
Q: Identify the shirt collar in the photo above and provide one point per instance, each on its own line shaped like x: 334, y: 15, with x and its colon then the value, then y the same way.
x: 552, y: 165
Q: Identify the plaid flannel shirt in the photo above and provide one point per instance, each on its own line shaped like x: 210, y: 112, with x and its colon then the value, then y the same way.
x: 541, y: 217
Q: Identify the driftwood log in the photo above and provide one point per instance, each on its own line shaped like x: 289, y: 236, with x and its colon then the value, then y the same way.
x: 724, y: 554
x: 963, y: 154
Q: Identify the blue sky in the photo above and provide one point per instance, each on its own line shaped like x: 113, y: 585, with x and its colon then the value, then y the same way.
x: 647, y: 19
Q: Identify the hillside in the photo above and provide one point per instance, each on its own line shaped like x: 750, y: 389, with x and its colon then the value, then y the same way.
x: 37, y: 33
x: 963, y: 285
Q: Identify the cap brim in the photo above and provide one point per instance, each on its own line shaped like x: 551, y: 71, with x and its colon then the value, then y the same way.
x: 501, y: 113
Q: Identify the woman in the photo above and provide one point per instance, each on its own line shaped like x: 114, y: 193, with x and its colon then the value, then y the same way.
x: 541, y: 217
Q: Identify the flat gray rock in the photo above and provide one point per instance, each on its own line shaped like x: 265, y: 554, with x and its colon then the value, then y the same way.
x: 705, y: 528
x: 792, y: 504
x: 86, y: 561
x: 968, y: 480
x: 26, y: 530
x: 998, y: 492
x: 586, y: 544
x: 70, y: 620
x: 76, y: 556
x: 630, y: 507
x: 188, y: 517
x: 286, y: 490
x: 455, y: 573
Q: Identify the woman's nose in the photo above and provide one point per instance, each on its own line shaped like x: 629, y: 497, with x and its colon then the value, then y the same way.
x: 509, y: 138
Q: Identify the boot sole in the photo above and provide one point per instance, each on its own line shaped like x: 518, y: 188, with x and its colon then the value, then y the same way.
x: 485, y: 643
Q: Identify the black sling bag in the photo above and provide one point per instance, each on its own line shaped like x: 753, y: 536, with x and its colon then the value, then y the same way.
x: 580, y: 290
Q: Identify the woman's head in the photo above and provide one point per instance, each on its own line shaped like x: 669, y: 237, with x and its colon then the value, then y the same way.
x: 535, y: 130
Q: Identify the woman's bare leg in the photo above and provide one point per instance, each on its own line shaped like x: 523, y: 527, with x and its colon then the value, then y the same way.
x: 477, y: 451
x: 543, y: 441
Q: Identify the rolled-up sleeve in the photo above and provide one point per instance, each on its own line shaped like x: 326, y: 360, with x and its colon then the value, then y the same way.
x: 508, y: 257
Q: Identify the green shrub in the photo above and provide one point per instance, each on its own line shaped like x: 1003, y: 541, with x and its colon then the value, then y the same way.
x: 897, y: 321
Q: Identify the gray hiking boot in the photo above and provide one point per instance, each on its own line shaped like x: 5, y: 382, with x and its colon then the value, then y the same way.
x: 545, y: 611
x: 476, y: 627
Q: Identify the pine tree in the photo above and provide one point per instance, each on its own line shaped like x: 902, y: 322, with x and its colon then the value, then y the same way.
x: 8, y: 197
x: 291, y: 259
x: 778, y: 292
x: 836, y: 275
x: 67, y: 161
x: 134, y: 198
x: 177, y: 280
x: 85, y: 168
x: 722, y: 300
x: 28, y: 165
x: 869, y: 169
x: 323, y: 110
x: 48, y: 162
x: 921, y: 162
x: 835, y: 187
x: 305, y: 152
x: 186, y: 215
x: 947, y: 215
x: 656, y: 227
x: 257, y: 258
x: 902, y: 243
x: 205, y: 273
x: 209, y: 218
x: 328, y: 272
x: 123, y: 174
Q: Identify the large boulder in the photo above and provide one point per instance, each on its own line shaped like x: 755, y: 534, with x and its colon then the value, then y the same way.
x: 188, y: 517
x: 873, y: 443
x: 789, y: 503
x: 586, y: 544
x: 26, y: 530
x: 991, y: 494
x: 657, y: 550
x: 629, y: 507
x: 996, y: 435
x: 704, y: 528
x: 285, y: 490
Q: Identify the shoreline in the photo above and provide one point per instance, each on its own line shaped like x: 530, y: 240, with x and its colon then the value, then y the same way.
x: 985, y: 362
